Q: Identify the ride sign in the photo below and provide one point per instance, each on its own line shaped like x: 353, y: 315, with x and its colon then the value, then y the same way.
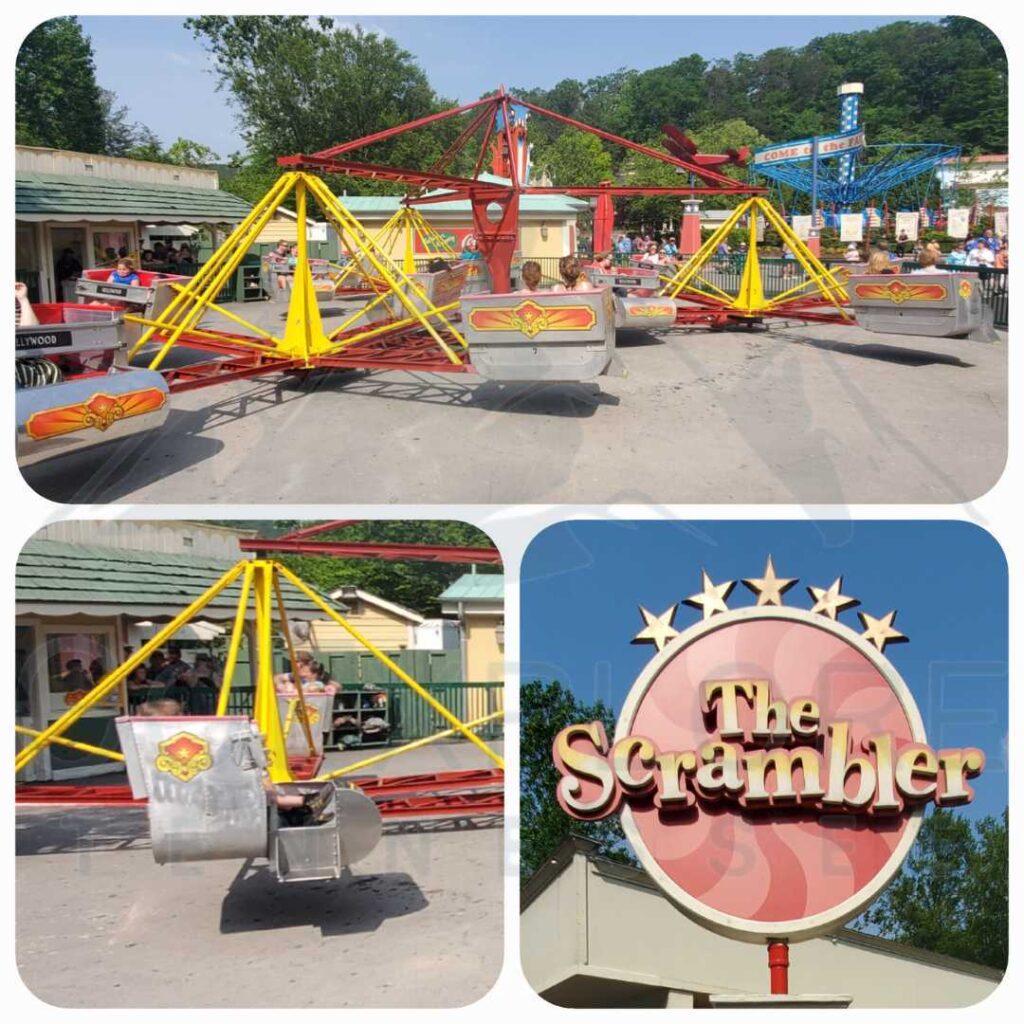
x: 770, y: 765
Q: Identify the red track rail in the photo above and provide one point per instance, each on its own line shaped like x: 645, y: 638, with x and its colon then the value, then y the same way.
x: 437, y: 794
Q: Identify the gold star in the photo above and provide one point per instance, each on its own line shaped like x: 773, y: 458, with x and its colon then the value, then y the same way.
x: 769, y: 588
x: 658, y: 630
x: 712, y: 598
x: 830, y: 602
x: 879, y: 631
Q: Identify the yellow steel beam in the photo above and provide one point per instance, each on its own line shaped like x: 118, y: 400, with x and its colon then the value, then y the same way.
x: 265, y: 704
x: 112, y: 679
x: 690, y: 268
x: 224, y: 255
x: 396, y: 280
x: 372, y: 332
x: 230, y: 257
x: 62, y: 741
x: 237, y: 632
x: 387, y: 662
x: 213, y: 336
x: 414, y: 745
x: 216, y: 307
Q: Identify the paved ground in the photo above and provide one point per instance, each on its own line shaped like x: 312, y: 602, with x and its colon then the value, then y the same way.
x: 794, y: 414
x: 100, y: 924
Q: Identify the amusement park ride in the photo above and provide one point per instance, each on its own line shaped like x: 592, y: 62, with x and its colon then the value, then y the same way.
x: 450, y: 319
x: 210, y: 782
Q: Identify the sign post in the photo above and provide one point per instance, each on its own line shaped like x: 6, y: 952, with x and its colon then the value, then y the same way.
x: 769, y: 764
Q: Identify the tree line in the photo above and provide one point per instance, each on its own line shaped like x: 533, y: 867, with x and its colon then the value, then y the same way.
x: 300, y: 84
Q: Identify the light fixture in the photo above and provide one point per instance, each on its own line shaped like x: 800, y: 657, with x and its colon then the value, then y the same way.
x: 543, y: 231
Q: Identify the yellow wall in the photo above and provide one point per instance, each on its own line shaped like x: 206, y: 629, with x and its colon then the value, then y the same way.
x: 533, y: 245
x: 485, y: 659
x: 279, y: 227
x: 387, y: 631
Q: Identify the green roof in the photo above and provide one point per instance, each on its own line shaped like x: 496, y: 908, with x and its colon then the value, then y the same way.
x: 476, y: 586
x: 527, y: 204
x: 40, y: 195
x: 55, y: 572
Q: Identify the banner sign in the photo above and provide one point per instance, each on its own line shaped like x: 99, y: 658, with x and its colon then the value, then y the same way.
x: 1002, y: 223
x: 958, y: 222
x: 769, y: 763
x: 851, y: 227
x: 828, y: 145
x: 802, y: 226
x: 907, y: 221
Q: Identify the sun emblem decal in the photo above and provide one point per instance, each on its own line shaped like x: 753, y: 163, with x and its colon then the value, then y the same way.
x: 184, y: 756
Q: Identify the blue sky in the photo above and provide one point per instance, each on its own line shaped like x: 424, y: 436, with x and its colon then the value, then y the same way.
x: 162, y: 74
x: 582, y: 583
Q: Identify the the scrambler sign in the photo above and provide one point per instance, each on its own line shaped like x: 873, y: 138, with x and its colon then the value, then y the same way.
x: 770, y: 764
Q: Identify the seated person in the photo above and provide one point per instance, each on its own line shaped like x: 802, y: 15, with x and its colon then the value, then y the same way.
x: 436, y: 265
x: 573, y: 278
x: 312, y: 677
x: 603, y: 264
x: 299, y: 809
x: 652, y: 257
x: 531, y: 276
x: 879, y: 263
x: 124, y: 273
x: 928, y: 260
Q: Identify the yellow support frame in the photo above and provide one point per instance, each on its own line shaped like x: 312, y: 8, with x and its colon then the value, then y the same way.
x: 304, y: 338
x: 750, y: 299
x: 261, y: 583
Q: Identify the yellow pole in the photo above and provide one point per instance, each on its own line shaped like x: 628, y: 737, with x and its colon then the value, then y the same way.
x: 345, y: 223
x: 414, y: 745
x: 237, y: 632
x: 391, y: 325
x: 225, y: 253
x: 408, y: 259
x: 85, y: 748
x: 265, y: 710
x: 296, y: 678
x: 266, y: 349
x: 385, y: 660
x: 228, y: 266
x: 706, y: 251
x: 231, y: 316
x: 750, y: 298
x: 105, y: 685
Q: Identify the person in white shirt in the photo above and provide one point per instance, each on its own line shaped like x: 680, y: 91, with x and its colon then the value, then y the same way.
x: 981, y: 256
x: 928, y: 261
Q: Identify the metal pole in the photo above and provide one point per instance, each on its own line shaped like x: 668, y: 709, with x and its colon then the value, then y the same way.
x: 778, y: 966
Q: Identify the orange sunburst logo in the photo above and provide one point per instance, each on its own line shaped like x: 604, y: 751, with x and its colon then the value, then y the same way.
x: 898, y: 292
x: 100, y: 412
x: 184, y: 756
x: 72, y: 697
x: 651, y: 311
x: 530, y: 318
x: 311, y: 714
x: 965, y: 289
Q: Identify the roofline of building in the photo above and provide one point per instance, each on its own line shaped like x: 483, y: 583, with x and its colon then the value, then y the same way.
x: 107, y: 156
x: 338, y: 595
x: 563, y: 856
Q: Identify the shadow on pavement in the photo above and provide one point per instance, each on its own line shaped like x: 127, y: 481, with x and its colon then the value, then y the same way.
x: 425, y: 826
x: 573, y: 401
x: 256, y: 901
x: 888, y: 353
x: 50, y: 830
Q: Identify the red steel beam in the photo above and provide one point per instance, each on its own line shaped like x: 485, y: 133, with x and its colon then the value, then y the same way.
x: 711, y: 177
x: 324, y: 527
x: 387, y: 133
x: 364, y: 549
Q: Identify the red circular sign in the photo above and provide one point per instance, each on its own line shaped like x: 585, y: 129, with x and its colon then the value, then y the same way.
x: 787, y: 872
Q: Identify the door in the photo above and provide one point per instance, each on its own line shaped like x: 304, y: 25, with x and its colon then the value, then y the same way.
x: 74, y: 657
x: 68, y: 257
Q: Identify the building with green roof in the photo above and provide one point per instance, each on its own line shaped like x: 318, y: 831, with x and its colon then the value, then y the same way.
x: 477, y: 601
x: 93, y: 204
x: 548, y: 224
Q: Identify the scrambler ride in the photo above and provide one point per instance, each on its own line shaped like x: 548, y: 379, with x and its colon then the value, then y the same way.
x: 211, y: 783
x: 462, y: 318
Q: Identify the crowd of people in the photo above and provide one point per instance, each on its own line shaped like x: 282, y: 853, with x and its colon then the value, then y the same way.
x: 985, y: 250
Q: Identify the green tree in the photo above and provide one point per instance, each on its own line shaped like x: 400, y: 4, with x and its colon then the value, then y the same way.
x: 414, y: 584
x: 303, y: 84
x: 189, y: 153
x: 952, y: 894
x: 57, y: 101
x: 577, y: 158
x: 545, y: 709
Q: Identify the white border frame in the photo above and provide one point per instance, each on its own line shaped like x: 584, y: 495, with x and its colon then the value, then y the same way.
x: 728, y: 924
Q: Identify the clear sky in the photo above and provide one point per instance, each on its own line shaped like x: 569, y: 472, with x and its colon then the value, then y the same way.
x: 582, y: 583
x: 162, y: 74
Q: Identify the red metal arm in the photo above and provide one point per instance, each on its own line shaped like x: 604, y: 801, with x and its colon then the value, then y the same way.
x: 365, y: 549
